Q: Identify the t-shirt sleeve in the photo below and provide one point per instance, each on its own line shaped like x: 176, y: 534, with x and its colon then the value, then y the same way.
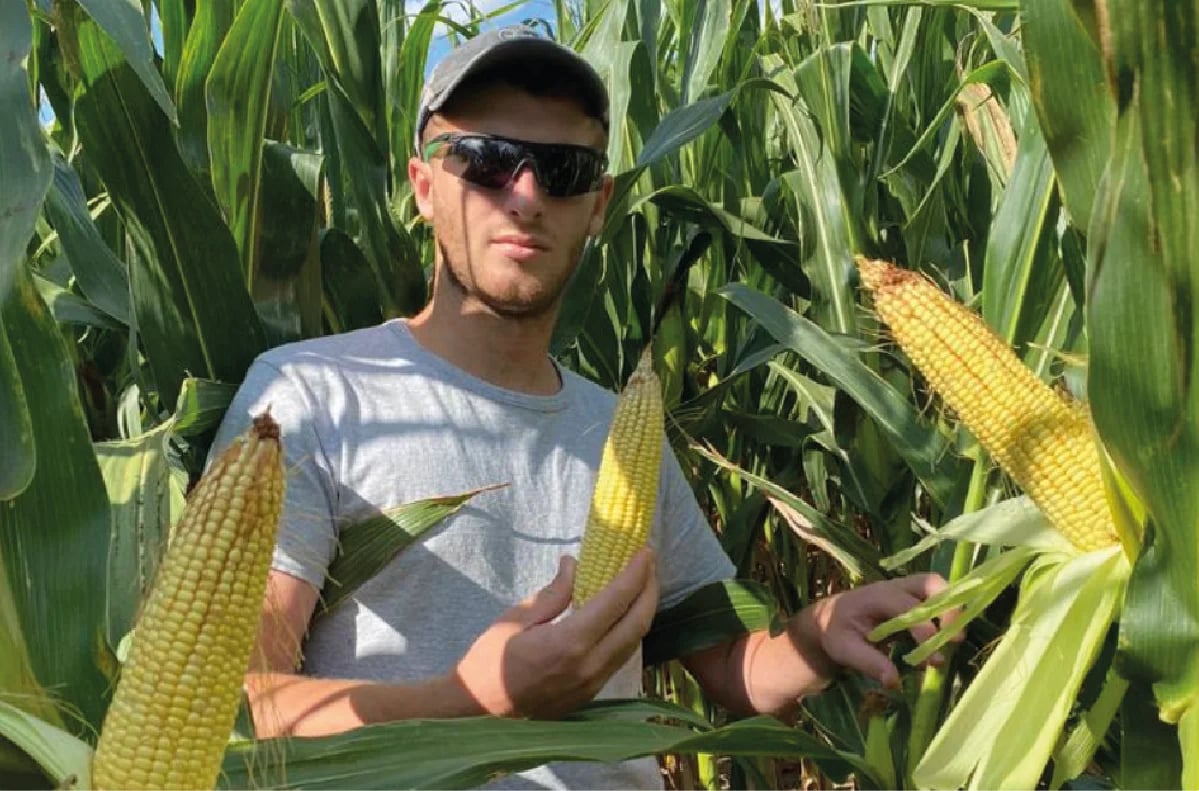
x: 689, y: 553
x: 307, y: 537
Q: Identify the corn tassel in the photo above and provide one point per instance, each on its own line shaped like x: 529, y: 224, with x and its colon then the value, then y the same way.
x: 1042, y: 441
x: 626, y: 487
x: 178, y: 694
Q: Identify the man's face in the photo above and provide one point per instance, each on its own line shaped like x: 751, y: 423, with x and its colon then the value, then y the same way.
x: 509, y: 251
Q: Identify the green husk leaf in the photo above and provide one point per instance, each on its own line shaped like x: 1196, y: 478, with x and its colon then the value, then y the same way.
x: 1009, y: 523
x: 1000, y: 734
x: 65, y: 759
x: 1072, y: 757
x: 1188, y: 737
x: 144, y: 496
x: 973, y: 592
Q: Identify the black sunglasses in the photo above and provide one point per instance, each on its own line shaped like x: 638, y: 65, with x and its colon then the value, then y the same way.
x: 494, y: 162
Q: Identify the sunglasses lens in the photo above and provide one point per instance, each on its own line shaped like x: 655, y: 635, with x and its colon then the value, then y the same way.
x: 562, y: 171
x: 567, y: 171
x: 489, y: 162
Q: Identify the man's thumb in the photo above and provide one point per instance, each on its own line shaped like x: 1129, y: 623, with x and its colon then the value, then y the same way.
x: 551, y: 601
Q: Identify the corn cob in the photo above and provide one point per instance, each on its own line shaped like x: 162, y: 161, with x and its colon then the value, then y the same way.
x: 177, y: 698
x: 626, y: 487
x: 1042, y: 441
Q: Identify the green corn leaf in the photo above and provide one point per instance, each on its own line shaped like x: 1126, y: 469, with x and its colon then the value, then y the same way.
x: 54, y: 535
x: 101, y: 275
x: 237, y: 95
x: 16, y: 426
x: 404, y: 50
x: 817, y: 186
x: 819, y: 402
x: 414, y: 754
x: 682, y: 126
x: 349, y: 30
x: 1143, y: 325
x: 400, y: 277
x: 978, y: 5
x: 194, y: 314
x: 208, y: 30
x: 287, y: 286
x: 857, y: 556
x: 125, y: 23
x: 983, y: 75
x: 175, y: 19
x: 25, y: 171
x: 1073, y: 106
x: 200, y: 406
x: 17, y: 678
x: 70, y: 308
x: 921, y: 446
x: 367, y: 547
x: 349, y: 295
x: 711, y: 615
x: 1150, y: 754
x: 705, y: 45
x: 1018, y: 286
x: 638, y: 710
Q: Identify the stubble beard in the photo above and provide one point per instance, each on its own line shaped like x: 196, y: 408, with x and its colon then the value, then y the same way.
x: 520, y: 310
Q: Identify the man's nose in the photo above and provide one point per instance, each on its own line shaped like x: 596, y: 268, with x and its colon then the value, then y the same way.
x: 525, y: 193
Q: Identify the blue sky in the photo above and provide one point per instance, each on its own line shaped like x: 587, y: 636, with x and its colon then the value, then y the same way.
x: 529, y: 9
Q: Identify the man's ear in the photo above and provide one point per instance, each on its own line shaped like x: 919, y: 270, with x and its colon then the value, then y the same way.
x: 421, y: 177
x: 598, y: 212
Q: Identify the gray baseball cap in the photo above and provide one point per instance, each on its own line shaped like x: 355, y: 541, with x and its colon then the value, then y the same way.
x: 486, y: 50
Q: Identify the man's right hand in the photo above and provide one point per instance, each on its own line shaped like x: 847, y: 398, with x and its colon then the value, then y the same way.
x: 528, y: 665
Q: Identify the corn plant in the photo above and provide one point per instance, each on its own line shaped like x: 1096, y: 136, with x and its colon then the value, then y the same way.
x: 240, y: 183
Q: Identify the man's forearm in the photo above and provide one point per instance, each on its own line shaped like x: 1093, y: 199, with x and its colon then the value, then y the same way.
x: 782, y: 669
x: 760, y: 674
x: 296, y: 705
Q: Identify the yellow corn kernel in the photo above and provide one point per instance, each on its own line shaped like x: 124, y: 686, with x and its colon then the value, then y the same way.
x: 1044, y: 442
x: 180, y: 663
x: 626, y: 486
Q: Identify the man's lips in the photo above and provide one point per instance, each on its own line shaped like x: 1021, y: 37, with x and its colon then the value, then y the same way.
x: 519, y: 246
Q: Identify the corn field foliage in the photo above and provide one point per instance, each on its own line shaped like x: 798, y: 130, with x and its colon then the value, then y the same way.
x: 240, y: 183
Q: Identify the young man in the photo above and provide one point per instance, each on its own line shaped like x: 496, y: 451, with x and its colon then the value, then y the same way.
x: 510, y: 175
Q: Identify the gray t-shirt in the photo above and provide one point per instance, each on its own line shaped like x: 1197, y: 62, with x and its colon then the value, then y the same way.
x: 371, y: 420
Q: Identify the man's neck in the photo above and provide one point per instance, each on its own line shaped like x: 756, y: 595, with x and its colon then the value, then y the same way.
x: 508, y: 353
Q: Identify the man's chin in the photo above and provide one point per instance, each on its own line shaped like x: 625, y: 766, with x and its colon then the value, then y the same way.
x: 522, y: 310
